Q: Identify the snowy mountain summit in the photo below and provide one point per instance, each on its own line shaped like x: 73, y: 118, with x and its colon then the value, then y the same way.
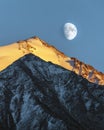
x: 43, y: 89
x: 39, y: 95
x: 38, y: 47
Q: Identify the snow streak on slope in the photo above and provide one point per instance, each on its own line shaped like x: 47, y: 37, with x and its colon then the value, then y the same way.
x: 38, y: 47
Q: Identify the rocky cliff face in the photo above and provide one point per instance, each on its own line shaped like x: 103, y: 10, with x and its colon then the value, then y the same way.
x: 87, y: 71
x: 39, y: 95
x: 38, y: 47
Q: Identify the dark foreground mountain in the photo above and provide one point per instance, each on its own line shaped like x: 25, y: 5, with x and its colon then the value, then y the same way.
x: 39, y: 95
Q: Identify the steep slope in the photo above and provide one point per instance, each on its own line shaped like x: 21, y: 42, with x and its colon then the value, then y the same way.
x: 39, y: 95
x: 12, y: 52
x: 36, y: 46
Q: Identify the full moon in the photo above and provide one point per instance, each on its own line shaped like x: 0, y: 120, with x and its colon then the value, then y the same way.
x: 70, y: 31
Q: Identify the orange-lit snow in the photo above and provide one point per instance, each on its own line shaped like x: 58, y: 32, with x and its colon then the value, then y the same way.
x: 36, y: 46
x: 12, y: 52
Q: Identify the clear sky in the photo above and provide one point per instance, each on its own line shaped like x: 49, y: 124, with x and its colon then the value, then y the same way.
x: 21, y: 19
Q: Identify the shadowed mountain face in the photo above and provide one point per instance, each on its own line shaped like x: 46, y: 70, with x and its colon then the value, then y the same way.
x: 39, y: 95
x: 38, y: 47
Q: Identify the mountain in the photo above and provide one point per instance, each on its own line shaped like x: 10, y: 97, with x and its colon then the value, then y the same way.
x: 38, y: 47
x: 39, y: 95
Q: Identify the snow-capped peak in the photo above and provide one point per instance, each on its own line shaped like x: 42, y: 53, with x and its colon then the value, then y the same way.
x: 38, y: 47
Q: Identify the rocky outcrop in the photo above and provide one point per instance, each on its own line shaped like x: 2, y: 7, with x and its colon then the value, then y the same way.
x: 39, y: 95
x: 87, y: 71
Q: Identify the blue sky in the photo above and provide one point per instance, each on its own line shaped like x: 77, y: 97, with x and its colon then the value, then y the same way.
x: 21, y: 19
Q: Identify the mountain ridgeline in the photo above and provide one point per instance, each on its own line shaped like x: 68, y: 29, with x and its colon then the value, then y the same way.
x: 87, y: 71
x: 40, y: 95
x: 38, y: 47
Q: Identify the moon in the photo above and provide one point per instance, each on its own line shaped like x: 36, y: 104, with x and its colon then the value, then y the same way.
x: 70, y: 31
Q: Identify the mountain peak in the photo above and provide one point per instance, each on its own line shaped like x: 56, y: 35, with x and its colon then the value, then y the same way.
x: 40, y: 95
x: 38, y: 47
x: 34, y: 45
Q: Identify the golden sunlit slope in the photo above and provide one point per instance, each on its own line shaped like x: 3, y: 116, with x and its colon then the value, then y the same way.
x: 38, y: 47
x: 12, y: 52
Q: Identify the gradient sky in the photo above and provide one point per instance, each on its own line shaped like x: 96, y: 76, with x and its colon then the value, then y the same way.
x: 21, y: 19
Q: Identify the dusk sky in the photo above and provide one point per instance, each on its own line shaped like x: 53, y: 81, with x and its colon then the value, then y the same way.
x: 22, y: 19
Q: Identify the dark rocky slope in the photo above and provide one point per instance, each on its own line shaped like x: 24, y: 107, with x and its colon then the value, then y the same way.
x: 38, y: 95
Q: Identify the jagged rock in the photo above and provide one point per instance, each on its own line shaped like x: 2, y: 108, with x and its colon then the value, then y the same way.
x: 39, y: 95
